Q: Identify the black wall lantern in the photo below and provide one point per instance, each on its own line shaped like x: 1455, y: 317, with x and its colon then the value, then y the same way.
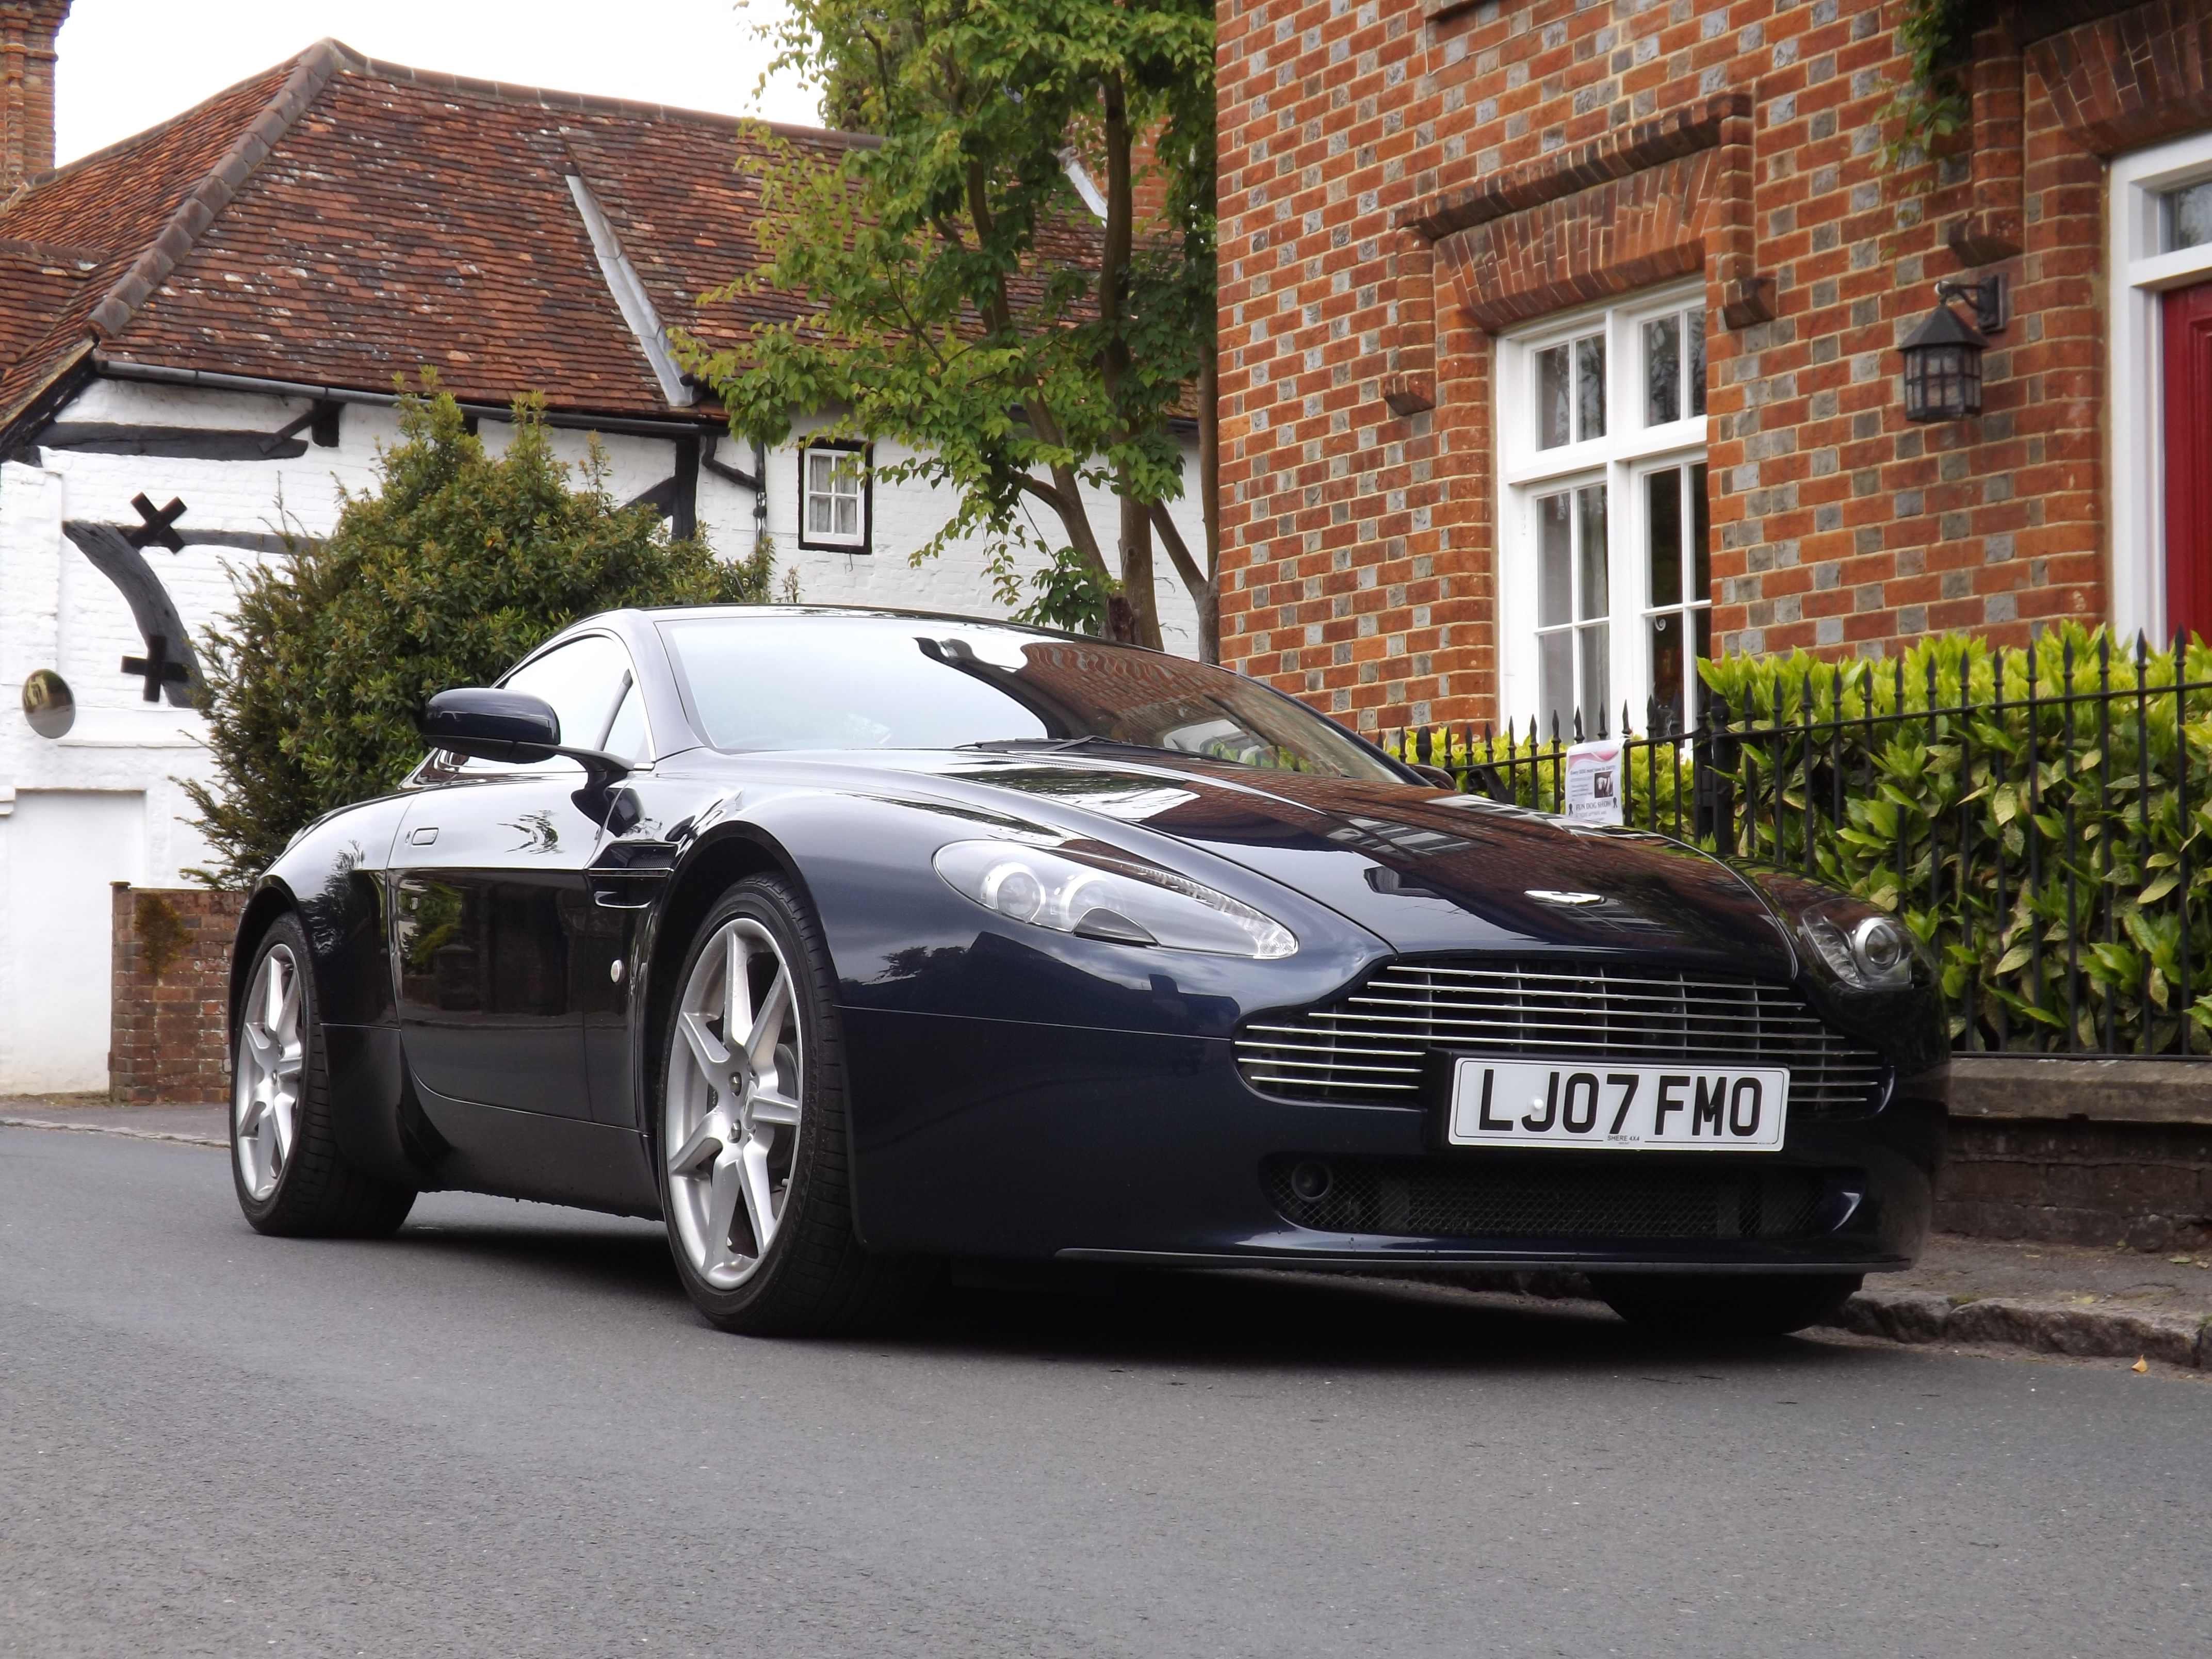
x: 1943, y: 355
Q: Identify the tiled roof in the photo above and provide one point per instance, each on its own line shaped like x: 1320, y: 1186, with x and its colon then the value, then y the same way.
x: 337, y: 221
x: 41, y: 283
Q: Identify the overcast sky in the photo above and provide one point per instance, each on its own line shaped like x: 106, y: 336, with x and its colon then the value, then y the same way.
x: 127, y: 63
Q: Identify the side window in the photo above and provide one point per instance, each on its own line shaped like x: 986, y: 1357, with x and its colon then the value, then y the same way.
x: 626, y: 737
x: 592, y: 688
x: 585, y: 681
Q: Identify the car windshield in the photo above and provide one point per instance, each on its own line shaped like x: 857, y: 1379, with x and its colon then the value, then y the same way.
x: 815, y: 682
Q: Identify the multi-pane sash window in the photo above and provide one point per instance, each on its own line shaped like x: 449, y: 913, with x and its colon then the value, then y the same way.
x: 834, y: 497
x: 1604, y: 568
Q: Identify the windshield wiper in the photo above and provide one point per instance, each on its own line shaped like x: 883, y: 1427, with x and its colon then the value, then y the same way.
x: 1052, y: 745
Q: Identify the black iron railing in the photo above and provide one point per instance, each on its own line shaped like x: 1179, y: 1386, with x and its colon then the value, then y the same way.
x: 2040, y: 818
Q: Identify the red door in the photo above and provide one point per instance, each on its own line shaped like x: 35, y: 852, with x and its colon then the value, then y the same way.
x: 2188, y: 336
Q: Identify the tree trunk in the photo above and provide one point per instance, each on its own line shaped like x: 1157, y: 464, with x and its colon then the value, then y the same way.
x: 1209, y: 495
x: 1075, y: 518
x: 1136, y: 566
x: 1204, y: 585
x: 1113, y: 298
x: 1205, y: 591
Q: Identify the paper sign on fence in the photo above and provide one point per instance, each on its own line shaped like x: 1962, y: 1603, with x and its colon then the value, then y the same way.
x: 1593, y: 782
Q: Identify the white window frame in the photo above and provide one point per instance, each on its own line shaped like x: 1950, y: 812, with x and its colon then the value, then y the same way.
x: 829, y: 540
x: 2136, y: 371
x: 1628, y: 450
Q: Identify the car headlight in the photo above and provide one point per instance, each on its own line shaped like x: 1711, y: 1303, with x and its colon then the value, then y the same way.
x: 1096, y: 893
x: 1864, y: 949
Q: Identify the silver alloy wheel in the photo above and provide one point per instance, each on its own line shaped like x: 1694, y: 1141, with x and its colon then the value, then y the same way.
x: 732, y: 1106
x: 266, y: 1102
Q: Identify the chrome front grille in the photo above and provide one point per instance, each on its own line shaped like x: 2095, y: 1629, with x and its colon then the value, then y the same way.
x: 1371, y: 1047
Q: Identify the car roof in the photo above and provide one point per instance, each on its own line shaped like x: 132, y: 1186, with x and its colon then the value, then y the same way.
x: 661, y: 612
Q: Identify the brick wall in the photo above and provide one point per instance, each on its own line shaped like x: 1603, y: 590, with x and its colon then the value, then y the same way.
x: 168, y: 1044
x: 2079, y: 1183
x: 2131, y: 79
x: 1399, y: 176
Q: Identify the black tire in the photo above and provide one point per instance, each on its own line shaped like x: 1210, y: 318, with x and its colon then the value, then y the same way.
x: 315, y: 1194
x: 1725, y: 1304
x: 814, y: 1278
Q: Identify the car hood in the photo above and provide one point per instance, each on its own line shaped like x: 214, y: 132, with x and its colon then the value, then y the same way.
x: 1423, y: 869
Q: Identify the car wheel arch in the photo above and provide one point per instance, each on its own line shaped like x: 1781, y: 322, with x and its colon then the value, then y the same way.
x: 269, y: 900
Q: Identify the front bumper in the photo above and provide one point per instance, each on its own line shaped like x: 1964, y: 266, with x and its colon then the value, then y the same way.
x: 1011, y: 1139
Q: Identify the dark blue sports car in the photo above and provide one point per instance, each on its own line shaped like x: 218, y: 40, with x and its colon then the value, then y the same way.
x: 851, y: 942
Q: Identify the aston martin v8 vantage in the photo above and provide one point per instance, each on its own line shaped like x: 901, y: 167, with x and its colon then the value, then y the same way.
x: 848, y: 943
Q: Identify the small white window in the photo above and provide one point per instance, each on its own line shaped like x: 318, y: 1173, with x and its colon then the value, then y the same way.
x: 1604, y: 570
x: 834, y: 497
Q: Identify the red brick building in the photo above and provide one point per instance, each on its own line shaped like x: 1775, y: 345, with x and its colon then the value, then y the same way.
x: 1559, y: 341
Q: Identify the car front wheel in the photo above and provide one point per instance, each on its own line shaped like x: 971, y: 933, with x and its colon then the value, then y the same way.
x: 754, y: 1160
x: 1726, y: 1305
x: 285, y: 1158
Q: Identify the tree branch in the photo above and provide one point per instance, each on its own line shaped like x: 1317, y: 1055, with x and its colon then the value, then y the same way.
x: 1178, y: 552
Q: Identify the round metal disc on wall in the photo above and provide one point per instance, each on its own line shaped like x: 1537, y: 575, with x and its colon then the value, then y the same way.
x: 48, y: 703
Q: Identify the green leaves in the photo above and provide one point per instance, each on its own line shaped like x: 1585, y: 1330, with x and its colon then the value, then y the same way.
x: 1931, y: 99
x: 954, y: 294
x: 2039, y: 815
x: 454, y: 568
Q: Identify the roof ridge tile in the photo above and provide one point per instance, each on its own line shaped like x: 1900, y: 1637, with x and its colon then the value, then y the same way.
x: 586, y: 103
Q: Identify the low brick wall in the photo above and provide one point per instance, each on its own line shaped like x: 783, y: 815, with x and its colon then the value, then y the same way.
x: 167, y: 1044
x: 2079, y: 1181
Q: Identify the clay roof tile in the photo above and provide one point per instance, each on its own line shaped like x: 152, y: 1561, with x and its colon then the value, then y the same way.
x: 337, y: 221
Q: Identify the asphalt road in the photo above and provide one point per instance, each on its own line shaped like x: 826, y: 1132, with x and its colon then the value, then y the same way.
x: 505, y: 1432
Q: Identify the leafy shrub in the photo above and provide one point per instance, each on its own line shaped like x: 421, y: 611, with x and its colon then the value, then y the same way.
x: 453, y: 568
x: 2041, y: 818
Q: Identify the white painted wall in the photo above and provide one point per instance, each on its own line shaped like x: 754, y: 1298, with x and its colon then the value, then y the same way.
x: 123, y: 762
x: 906, y: 517
x: 59, y: 850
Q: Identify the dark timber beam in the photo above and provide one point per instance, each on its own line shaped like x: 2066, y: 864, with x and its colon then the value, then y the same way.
x: 174, y: 443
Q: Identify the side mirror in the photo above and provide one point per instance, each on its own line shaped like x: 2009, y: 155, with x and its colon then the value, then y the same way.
x: 493, y: 726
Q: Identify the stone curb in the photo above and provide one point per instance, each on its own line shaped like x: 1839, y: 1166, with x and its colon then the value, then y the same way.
x: 110, y: 1129
x: 1923, y: 1317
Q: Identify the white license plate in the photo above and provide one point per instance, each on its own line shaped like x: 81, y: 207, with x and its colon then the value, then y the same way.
x: 1574, y: 1103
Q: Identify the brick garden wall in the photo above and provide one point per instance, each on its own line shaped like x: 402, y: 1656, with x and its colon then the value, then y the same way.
x: 168, y: 1042
x: 2079, y: 1183
x: 1397, y: 176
